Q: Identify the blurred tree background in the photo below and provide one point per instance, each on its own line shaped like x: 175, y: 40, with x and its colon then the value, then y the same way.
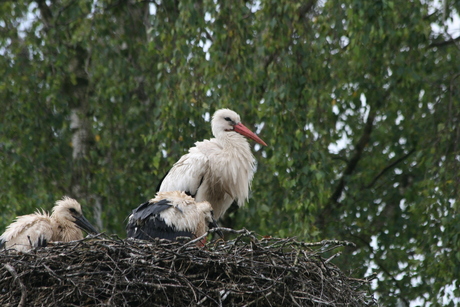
x: 358, y: 101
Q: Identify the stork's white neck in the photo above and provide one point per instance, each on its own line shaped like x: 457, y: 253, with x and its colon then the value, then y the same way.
x: 230, y: 140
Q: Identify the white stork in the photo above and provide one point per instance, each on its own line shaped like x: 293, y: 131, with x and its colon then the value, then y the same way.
x: 218, y: 170
x: 170, y: 215
x: 37, y: 229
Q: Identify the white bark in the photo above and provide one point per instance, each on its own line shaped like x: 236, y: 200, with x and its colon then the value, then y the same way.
x: 80, y: 138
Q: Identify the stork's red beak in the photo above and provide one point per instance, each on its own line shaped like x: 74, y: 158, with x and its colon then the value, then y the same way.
x: 241, y: 129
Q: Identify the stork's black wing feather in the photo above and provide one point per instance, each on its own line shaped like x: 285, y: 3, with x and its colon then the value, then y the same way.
x: 2, y: 243
x: 154, y: 227
x: 147, y: 224
x: 147, y: 209
x: 42, y: 242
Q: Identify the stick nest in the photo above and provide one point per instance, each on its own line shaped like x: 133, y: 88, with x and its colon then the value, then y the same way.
x: 246, y: 271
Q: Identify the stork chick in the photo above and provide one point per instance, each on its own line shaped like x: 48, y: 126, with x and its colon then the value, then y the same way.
x: 219, y: 170
x: 37, y: 229
x: 170, y: 215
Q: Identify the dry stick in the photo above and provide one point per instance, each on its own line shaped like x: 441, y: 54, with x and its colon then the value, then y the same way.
x: 241, y: 232
x: 332, y: 257
x: 11, y: 269
x: 193, y: 241
x: 294, y: 300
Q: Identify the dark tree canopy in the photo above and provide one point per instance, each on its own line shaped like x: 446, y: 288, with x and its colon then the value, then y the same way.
x: 358, y: 101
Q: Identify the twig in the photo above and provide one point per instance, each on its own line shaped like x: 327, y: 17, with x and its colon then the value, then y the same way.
x: 13, y: 272
x: 390, y: 166
x: 332, y: 257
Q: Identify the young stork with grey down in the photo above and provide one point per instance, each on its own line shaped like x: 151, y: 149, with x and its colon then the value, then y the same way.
x: 219, y: 170
x: 36, y: 230
x: 170, y: 215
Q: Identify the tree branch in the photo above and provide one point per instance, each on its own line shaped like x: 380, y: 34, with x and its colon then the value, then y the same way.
x: 46, y: 13
x: 444, y: 43
x: 333, y: 202
x: 388, y: 167
x: 382, y: 267
x: 306, y: 8
x: 353, y: 162
x: 208, y: 35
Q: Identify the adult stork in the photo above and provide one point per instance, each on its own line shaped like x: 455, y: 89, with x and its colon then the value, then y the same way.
x: 170, y: 215
x: 219, y: 170
x: 37, y: 229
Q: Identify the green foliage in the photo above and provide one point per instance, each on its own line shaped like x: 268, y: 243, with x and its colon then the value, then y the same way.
x: 358, y: 101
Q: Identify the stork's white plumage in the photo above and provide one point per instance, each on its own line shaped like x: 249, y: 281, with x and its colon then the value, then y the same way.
x: 37, y: 229
x: 170, y: 215
x: 219, y: 170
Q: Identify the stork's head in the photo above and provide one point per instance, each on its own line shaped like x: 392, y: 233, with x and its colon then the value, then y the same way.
x: 68, y: 209
x: 225, y: 120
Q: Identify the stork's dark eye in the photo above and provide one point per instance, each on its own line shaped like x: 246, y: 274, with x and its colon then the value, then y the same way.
x: 73, y: 211
x: 228, y: 119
